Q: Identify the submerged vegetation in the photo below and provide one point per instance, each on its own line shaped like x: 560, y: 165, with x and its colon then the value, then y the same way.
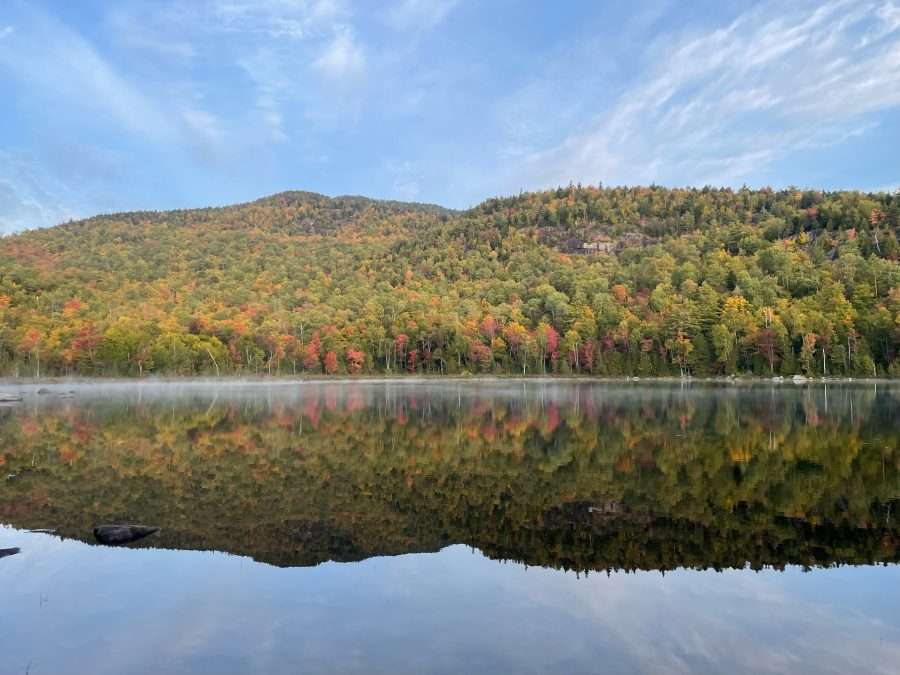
x: 575, y: 476
x: 604, y: 281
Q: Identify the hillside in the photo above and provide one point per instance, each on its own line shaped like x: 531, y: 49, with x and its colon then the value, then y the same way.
x: 607, y: 281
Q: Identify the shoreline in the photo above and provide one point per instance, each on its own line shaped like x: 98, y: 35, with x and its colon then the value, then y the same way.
x: 287, y: 380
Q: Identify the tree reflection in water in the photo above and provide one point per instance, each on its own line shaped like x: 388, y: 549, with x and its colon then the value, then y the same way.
x: 577, y: 476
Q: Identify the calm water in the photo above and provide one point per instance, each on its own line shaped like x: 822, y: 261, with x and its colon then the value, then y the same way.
x: 457, y: 527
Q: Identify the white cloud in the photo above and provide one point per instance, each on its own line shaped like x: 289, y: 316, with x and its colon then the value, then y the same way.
x: 716, y: 107
x: 419, y: 14
x: 343, y: 58
x: 68, y: 76
x: 329, y: 10
x: 147, y: 32
x: 205, y: 131
x: 55, y: 61
x: 264, y: 68
x: 889, y: 13
x: 59, y: 63
x: 58, y: 60
x: 30, y: 198
x: 273, y: 41
x: 296, y: 19
x: 6, y: 30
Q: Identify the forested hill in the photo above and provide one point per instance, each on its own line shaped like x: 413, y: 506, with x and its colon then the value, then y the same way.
x: 606, y: 281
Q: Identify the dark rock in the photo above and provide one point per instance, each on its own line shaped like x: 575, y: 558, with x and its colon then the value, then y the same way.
x: 119, y: 535
x: 44, y: 390
x: 8, y: 551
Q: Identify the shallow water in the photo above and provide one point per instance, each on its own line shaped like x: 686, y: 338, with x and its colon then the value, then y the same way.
x: 494, y: 526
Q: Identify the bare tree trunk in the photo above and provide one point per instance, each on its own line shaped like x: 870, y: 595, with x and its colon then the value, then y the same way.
x: 214, y: 361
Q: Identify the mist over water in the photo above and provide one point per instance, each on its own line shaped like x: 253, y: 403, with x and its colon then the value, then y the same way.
x: 434, y: 526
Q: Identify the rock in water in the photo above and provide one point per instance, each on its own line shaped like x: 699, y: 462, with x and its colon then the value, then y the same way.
x: 8, y: 551
x: 119, y: 535
x: 9, y: 398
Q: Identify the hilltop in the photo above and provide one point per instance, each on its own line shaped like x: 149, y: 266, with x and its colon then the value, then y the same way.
x: 609, y: 281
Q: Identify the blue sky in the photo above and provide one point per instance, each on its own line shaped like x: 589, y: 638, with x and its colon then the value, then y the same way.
x: 163, y: 104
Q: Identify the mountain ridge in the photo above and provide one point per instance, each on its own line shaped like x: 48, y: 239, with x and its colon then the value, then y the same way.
x: 288, y: 195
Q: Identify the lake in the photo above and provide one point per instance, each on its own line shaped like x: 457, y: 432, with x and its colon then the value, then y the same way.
x: 488, y: 526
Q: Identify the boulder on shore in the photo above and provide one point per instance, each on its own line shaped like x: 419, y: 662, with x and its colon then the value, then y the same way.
x: 119, y: 535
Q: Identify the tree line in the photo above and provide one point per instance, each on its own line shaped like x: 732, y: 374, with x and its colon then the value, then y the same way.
x: 642, y: 281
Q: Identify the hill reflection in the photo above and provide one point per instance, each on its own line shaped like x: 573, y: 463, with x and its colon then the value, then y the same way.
x: 581, y: 476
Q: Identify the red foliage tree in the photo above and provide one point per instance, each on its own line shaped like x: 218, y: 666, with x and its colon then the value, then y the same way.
x: 85, y: 343
x: 489, y: 327
x: 400, y: 348
x: 355, y: 360
x: 480, y: 354
x: 311, y: 352
x: 589, y: 355
x: 331, y: 363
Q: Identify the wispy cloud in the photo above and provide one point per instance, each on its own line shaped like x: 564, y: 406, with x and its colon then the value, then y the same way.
x: 58, y: 69
x: 64, y: 65
x: 148, y: 31
x: 419, y: 14
x: 264, y: 67
x: 29, y: 197
x: 205, y: 131
x: 55, y: 62
x: 341, y: 95
x: 296, y: 19
x: 720, y: 105
x: 343, y: 57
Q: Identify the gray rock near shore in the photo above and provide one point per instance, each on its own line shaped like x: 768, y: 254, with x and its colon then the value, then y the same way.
x: 119, y: 535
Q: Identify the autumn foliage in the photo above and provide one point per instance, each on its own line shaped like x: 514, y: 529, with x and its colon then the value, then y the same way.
x: 584, y: 280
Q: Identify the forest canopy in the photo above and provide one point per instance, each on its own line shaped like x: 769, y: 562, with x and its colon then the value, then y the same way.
x: 645, y: 281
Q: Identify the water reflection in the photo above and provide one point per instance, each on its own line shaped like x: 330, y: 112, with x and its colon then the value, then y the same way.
x: 578, y: 476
